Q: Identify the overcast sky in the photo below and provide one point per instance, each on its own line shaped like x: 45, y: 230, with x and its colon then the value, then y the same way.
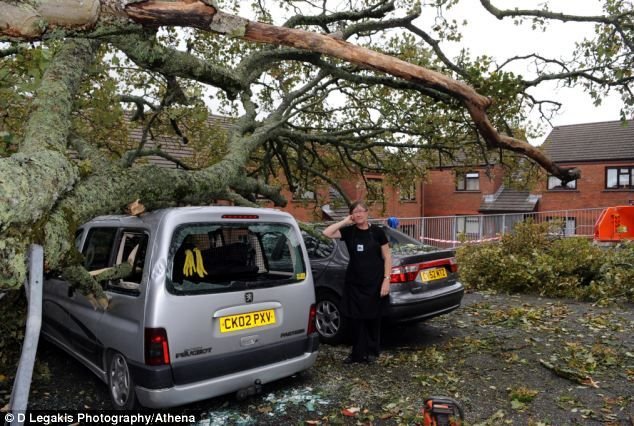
x: 501, y: 39
x: 486, y: 34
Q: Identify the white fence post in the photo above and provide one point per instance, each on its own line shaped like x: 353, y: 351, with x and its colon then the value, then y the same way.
x: 22, y: 382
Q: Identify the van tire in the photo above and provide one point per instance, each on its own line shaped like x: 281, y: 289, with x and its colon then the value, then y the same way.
x: 120, y: 383
x: 331, y: 325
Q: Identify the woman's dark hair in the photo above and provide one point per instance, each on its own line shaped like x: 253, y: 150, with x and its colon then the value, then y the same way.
x: 356, y: 204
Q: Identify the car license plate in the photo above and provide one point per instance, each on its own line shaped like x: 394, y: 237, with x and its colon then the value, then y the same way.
x: 249, y: 320
x: 433, y: 274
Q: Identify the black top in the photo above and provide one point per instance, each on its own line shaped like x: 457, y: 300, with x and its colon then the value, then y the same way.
x: 364, y: 276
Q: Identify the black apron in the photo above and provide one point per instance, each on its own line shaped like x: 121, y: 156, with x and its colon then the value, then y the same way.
x: 364, y: 275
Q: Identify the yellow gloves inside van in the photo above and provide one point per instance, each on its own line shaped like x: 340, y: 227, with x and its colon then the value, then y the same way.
x: 194, y: 266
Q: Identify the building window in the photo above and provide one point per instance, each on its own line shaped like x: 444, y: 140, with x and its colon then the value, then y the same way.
x: 468, y: 181
x: 469, y: 226
x: 562, y: 226
x: 407, y: 192
x: 409, y: 229
x: 555, y: 183
x: 375, y: 190
x: 303, y: 194
x: 619, y: 177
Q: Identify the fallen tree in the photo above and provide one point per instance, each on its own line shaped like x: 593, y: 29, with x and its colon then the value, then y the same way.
x: 281, y: 85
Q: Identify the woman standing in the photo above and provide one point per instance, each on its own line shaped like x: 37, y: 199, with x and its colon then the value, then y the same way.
x: 367, y: 280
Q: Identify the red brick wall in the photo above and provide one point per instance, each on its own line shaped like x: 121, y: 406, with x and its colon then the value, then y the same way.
x: 590, y: 190
x: 305, y: 210
x: 442, y: 199
x: 438, y: 196
x: 355, y: 190
x: 394, y: 206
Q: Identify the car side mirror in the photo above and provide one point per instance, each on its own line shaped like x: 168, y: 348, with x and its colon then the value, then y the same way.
x: 71, y: 291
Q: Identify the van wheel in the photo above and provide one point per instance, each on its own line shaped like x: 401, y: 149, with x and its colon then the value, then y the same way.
x: 331, y: 324
x: 121, y: 384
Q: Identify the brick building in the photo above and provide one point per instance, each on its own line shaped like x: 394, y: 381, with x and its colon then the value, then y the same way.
x: 383, y: 201
x: 448, y: 193
x: 604, y: 152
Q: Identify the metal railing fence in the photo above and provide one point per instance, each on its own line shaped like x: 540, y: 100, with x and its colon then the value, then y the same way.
x: 451, y: 231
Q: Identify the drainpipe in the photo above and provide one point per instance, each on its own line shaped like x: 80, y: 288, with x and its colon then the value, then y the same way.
x: 422, y: 198
x: 421, y: 234
x: 22, y: 383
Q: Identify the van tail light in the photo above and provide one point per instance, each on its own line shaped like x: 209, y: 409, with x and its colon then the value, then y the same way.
x: 312, y: 316
x: 156, y: 348
x: 406, y: 273
x: 240, y: 216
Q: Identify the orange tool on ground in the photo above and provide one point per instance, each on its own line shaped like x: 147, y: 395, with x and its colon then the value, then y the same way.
x: 442, y: 411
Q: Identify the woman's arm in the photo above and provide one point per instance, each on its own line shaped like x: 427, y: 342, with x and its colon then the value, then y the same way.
x: 387, y: 269
x: 333, y: 230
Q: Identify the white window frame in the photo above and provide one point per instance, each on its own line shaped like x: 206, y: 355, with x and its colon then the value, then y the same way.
x: 407, y: 193
x: 463, y: 180
x: 619, y: 176
x: 555, y: 183
x: 469, y: 226
x: 303, y: 194
x: 378, y: 184
x: 568, y: 225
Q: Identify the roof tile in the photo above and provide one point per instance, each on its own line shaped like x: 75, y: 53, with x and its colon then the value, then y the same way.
x: 609, y: 140
x: 509, y: 200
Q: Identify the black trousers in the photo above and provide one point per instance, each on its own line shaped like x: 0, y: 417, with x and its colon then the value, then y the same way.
x: 366, y: 337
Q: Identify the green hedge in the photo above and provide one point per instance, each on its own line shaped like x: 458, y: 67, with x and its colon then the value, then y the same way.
x: 531, y: 261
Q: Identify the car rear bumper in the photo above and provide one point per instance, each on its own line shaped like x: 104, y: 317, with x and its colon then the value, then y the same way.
x: 180, y: 394
x: 417, y: 307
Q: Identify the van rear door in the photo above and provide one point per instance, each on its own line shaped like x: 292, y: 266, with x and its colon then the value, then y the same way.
x: 239, y: 297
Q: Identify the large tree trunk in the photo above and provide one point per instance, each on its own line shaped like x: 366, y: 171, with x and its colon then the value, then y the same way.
x: 32, y: 180
x: 110, y: 189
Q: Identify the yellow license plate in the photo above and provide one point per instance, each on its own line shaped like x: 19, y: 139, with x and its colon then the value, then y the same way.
x: 249, y: 320
x: 433, y: 274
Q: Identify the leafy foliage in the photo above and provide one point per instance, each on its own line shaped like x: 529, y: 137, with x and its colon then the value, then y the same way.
x: 13, y: 314
x: 521, y: 396
x: 304, y: 112
x: 530, y: 260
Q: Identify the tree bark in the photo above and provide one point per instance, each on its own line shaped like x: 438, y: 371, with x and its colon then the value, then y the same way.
x: 32, y: 180
x: 29, y: 19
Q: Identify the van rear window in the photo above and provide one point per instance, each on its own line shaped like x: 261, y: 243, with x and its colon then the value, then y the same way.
x: 224, y: 257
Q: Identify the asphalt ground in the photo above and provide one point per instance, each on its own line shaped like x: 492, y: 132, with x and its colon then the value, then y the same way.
x: 519, y: 360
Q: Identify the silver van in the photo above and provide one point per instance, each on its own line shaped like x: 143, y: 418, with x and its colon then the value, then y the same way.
x: 219, y: 300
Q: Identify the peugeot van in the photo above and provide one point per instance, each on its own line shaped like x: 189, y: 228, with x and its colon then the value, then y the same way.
x: 219, y: 300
